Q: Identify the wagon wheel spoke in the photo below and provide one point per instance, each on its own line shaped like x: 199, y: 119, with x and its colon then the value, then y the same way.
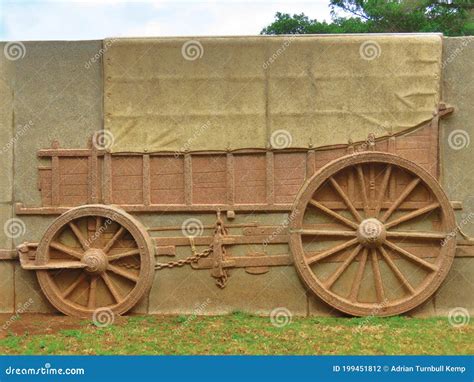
x: 112, y: 236
x: 412, y: 215
x: 360, y: 174
x: 118, y: 256
x: 62, y: 265
x: 411, y: 256
x: 397, y: 271
x: 377, y: 276
x: 358, y: 278
x: 112, y: 288
x: 121, y: 272
x: 91, y: 301
x: 417, y: 235
x: 99, y: 221
x: 383, y: 190
x: 334, y: 214
x: 80, y: 237
x: 112, y: 241
x: 74, y: 285
x: 335, y: 276
x: 67, y: 250
x: 346, y: 199
x: 325, y: 232
x: 408, y: 189
x: 322, y: 255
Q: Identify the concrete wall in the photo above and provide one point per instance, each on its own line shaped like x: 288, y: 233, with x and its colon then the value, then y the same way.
x: 55, y: 92
x: 55, y: 95
x: 6, y: 170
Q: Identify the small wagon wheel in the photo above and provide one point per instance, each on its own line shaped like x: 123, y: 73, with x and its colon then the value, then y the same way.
x: 95, y: 256
x: 371, y: 234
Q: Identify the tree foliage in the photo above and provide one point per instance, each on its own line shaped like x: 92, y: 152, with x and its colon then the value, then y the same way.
x: 451, y: 17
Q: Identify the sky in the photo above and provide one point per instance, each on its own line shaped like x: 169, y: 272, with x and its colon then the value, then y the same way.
x: 24, y: 20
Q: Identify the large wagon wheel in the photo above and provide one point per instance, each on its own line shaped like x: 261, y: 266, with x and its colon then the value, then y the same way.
x: 95, y: 257
x: 371, y: 234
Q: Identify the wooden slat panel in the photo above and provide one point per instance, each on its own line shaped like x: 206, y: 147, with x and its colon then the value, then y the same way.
x: 167, y: 180
x: 270, y: 183
x: 74, y: 181
x: 289, y: 173
x: 250, y: 178
x: 45, y: 185
x: 209, y: 179
x: 127, y: 179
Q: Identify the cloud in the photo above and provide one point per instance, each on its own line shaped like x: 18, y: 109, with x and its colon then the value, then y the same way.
x: 82, y: 20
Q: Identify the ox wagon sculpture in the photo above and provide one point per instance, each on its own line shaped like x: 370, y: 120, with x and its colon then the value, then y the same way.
x: 361, y: 216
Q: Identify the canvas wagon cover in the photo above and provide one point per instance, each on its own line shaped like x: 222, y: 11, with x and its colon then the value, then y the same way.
x: 231, y: 93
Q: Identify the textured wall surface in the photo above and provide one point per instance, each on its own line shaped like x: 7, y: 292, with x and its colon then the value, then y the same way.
x: 56, y: 96
x: 6, y: 183
x: 55, y: 92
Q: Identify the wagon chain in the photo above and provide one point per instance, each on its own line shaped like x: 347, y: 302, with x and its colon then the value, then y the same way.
x: 194, y: 258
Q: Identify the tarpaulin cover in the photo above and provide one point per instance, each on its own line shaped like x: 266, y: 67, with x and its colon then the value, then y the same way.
x: 230, y: 93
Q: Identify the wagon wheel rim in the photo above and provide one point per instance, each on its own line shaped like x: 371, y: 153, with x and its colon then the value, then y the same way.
x: 370, y: 235
x: 105, y: 263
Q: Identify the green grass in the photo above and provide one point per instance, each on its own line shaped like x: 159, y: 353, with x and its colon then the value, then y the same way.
x: 244, y: 334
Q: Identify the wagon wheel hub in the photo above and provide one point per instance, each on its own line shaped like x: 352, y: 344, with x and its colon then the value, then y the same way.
x: 96, y: 261
x: 371, y: 233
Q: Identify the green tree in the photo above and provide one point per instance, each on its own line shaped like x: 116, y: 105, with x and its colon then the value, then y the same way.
x: 451, y: 17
